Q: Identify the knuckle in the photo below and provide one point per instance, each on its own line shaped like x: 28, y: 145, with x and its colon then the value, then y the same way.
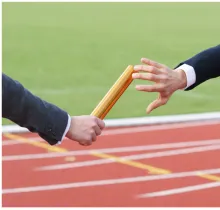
x: 91, y: 132
x: 150, y: 88
x: 162, y: 86
x: 164, y: 77
x: 93, y: 125
x: 89, y: 138
x: 142, y: 76
x: 150, y: 76
x: 151, y: 69
x: 139, y: 76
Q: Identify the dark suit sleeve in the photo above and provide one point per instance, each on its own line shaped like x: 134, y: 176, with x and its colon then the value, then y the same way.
x: 206, y: 65
x: 27, y: 110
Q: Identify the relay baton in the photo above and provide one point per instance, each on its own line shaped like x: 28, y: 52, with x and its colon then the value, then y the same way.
x: 114, y: 93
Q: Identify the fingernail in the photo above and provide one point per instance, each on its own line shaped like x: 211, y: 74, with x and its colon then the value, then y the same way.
x: 135, y: 67
x: 134, y: 75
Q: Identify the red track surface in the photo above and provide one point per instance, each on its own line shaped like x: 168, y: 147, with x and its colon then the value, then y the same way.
x: 23, y: 173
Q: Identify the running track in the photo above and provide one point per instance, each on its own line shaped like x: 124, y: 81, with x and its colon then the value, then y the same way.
x: 163, y: 166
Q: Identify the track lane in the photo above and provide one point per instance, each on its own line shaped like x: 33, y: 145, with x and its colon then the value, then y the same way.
x: 97, y: 195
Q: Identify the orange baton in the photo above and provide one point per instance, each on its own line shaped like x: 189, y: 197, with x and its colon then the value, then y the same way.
x: 114, y: 93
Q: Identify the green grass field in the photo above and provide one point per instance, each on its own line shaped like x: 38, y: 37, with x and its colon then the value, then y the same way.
x: 71, y: 53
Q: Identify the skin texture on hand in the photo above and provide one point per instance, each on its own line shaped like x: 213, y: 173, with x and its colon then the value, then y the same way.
x: 85, y: 129
x: 166, y: 81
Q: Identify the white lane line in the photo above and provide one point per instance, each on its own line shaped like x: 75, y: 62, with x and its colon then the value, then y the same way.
x: 111, y: 150
x: 159, y: 127
x: 14, y: 142
x: 117, y: 131
x: 132, y: 157
x: 108, y: 181
x: 181, y: 190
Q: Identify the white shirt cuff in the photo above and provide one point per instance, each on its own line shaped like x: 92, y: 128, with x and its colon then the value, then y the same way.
x: 190, y: 74
x: 66, y: 130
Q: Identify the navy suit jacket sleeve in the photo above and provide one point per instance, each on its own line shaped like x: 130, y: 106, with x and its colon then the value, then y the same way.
x: 206, y: 65
x: 27, y: 110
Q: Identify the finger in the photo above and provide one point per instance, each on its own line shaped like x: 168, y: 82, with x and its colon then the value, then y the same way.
x: 97, y: 130
x: 155, y: 104
x: 100, y: 123
x: 148, y: 76
x: 149, y: 88
x: 152, y: 63
x: 85, y: 143
x: 93, y: 136
x: 149, y: 69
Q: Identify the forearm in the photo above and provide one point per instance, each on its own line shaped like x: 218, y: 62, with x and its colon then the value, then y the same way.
x: 201, y: 67
x: 27, y: 110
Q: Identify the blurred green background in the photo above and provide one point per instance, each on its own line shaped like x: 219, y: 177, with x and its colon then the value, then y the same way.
x: 70, y: 54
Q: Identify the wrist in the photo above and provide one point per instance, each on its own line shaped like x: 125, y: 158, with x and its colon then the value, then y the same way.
x: 190, y: 74
x: 68, y: 129
x: 182, y: 79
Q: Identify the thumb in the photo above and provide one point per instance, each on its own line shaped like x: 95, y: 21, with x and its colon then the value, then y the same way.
x: 156, y: 103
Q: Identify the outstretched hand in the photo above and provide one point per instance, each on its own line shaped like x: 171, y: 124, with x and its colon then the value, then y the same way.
x: 166, y: 81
